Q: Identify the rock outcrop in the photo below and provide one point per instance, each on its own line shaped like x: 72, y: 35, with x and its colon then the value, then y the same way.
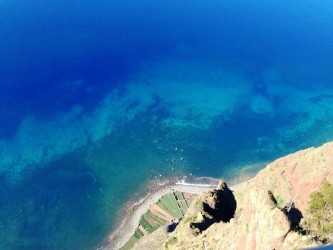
x: 212, y: 207
x: 263, y: 213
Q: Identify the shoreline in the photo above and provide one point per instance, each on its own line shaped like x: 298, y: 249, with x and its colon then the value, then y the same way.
x: 134, y: 210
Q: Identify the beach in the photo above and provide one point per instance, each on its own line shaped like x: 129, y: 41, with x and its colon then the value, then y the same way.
x: 134, y: 211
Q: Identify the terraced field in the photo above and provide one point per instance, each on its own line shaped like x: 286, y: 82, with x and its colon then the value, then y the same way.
x: 170, y: 206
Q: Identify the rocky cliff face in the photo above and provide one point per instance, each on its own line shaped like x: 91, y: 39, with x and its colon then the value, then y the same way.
x: 263, y: 213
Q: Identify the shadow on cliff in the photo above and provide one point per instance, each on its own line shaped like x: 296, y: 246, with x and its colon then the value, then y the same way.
x: 220, y: 205
x: 294, y: 214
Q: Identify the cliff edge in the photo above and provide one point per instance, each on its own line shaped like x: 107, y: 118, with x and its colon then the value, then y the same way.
x: 270, y: 211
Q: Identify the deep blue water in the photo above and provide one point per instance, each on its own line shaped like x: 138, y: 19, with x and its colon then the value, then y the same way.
x: 99, y: 97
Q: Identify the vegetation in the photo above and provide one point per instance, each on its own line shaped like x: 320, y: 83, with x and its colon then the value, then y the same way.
x: 170, y: 203
x: 155, y: 218
x: 183, y: 206
x: 146, y: 225
x: 190, y: 219
x: 138, y: 234
x: 277, y: 199
x: 179, y: 196
x: 130, y: 243
x: 320, y: 213
x: 174, y: 204
x: 171, y: 241
x: 188, y: 202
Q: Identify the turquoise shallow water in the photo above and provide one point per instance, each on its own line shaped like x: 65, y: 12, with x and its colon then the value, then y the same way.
x: 97, y: 99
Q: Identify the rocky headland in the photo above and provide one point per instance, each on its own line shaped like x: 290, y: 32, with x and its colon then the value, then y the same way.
x: 287, y: 205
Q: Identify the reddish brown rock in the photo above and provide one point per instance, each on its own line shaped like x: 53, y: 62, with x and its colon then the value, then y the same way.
x: 259, y: 221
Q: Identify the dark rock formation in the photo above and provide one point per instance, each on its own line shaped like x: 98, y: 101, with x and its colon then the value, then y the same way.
x: 216, y: 206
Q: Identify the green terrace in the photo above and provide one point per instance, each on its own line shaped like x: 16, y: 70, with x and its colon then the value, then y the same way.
x: 171, y: 206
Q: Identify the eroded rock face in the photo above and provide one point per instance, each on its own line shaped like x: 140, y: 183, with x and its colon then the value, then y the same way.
x: 223, y: 206
x: 268, y: 207
x: 296, y: 176
x: 212, y: 207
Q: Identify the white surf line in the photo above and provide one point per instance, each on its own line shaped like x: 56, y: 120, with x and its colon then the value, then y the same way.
x: 183, y: 183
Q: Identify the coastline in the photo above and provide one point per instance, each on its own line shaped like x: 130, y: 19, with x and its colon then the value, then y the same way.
x: 134, y: 210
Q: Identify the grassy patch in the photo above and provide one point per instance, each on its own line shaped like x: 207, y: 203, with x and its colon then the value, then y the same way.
x: 161, y: 214
x: 188, y: 202
x: 183, y: 206
x: 156, y: 218
x: 130, y: 243
x: 179, y: 196
x: 146, y: 225
x: 171, y: 206
x: 138, y: 234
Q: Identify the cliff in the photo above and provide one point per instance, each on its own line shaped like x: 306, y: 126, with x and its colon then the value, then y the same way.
x: 267, y: 212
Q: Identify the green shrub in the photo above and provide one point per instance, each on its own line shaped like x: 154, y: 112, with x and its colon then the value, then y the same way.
x: 189, y: 219
x: 320, y: 213
x: 327, y: 191
x: 279, y: 201
x: 316, y: 203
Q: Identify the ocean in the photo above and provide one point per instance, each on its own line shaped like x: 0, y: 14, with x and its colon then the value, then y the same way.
x: 97, y: 98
